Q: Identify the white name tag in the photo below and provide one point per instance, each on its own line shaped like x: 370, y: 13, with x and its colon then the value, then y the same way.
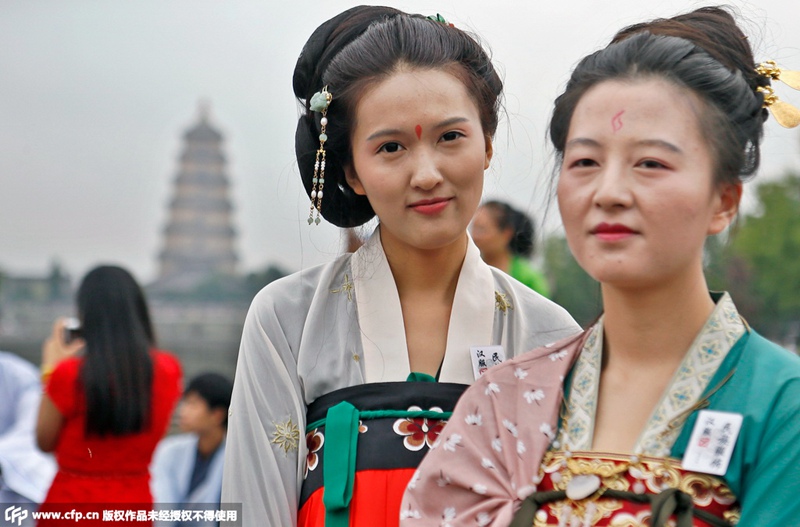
x: 711, y: 445
x: 484, y: 357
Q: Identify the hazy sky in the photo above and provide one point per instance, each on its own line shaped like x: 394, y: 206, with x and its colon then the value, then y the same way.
x: 95, y: 96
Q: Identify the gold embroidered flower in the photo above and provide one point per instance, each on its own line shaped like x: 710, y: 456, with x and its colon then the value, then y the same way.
x: 348, y: 287
x: 502, y: 302
x: 286, y: 436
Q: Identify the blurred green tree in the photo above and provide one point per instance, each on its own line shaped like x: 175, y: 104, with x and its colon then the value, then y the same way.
x: 766, y: 249
x: 571, y: 287
x: 254, y: 282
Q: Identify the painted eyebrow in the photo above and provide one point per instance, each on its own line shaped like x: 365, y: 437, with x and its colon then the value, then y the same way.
x: 395, y: 131
x: 658, y: 143
x: 451, y: 122
x: 581, y: 141
x: 382, y: 133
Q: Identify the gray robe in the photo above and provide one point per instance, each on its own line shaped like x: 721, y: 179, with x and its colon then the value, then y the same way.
x: 339, y: 325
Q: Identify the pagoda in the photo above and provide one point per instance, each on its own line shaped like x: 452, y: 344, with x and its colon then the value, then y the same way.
x: 199, y: 237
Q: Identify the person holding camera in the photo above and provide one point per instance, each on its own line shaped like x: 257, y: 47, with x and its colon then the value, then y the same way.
x: 109, y: 395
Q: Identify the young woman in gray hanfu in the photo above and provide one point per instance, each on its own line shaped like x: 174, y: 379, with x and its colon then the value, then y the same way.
x: 336, y: 388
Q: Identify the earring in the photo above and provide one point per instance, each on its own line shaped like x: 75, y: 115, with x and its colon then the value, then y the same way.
x: 319, y: 103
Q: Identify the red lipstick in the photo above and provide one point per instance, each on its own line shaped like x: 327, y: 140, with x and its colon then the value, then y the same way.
x: 612, y: 232
x: 430, y: 207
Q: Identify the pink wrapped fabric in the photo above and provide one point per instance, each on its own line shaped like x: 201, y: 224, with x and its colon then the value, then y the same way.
x: 487, y: 458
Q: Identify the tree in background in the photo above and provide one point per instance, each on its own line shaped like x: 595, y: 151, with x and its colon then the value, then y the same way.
x: 727, y: 271
x: 571, y: 287
x: 222, y: 288
x: 765, y: 253
x: 254, y: 282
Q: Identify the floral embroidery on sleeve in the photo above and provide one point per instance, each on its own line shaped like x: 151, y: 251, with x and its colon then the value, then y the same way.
x: 286, y: 436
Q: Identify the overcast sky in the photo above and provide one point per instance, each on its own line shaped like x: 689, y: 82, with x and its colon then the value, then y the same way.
x: 95, y: 96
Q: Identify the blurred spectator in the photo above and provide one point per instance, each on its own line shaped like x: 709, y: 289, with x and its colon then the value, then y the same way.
x: 505, y: 237
x: 187, y: 468
x: 109, y: 396
x: 25, y: 472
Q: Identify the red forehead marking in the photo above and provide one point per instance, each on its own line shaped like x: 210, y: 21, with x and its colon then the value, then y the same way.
x: 616, y: 121
x: 418, y: 129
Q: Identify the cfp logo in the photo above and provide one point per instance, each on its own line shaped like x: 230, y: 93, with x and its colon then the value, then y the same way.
x: 16, y: 515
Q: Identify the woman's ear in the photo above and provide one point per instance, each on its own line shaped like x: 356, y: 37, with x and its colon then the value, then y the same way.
x: 489, y: 152
x: 352, y: 179
x: 507, y: 235
x: 729, y: 195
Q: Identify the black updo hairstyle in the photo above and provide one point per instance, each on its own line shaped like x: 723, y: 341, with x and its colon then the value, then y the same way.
x: 356, y: 49
x: 522, y: 242
x: 704, y: 51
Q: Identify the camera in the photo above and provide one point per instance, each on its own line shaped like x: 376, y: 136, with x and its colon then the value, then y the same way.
x: 72, y: 329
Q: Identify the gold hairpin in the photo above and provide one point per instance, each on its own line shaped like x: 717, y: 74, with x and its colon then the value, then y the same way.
x: 786, y: 114
x: 771, y: 70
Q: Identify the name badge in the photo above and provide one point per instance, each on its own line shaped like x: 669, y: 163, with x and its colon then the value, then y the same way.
x: 484, y: 357
x: 711, y: 445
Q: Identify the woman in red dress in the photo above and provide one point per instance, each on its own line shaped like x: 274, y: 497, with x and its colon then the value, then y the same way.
x: 108, y: 398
